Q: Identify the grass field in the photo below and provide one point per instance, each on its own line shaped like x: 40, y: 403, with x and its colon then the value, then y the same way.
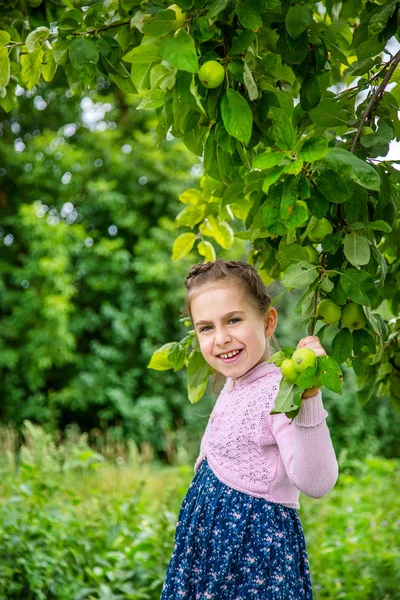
x: 82, y: 529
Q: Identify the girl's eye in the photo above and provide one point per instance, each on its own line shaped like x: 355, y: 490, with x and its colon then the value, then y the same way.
x: 234, y: 319
x: 206, y: 326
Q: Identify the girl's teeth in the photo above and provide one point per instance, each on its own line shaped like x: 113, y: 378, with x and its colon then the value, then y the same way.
x: 230, y: 354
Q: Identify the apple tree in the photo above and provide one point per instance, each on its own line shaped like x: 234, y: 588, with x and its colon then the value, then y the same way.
x: 292, y: 107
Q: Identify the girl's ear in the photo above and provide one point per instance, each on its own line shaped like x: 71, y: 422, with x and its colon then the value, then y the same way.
x: 271, y: 321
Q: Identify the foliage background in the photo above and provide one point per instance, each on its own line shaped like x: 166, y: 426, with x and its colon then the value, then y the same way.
x: 88, y: 291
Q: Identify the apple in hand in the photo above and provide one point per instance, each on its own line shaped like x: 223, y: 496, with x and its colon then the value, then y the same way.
x: 288, y: 370
x: 303, y: 358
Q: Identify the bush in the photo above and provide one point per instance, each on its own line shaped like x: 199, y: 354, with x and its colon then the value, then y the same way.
x: 73, y: 527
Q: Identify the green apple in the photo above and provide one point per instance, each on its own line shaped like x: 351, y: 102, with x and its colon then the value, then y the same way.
x: 329, y: 311
x: 313, y: 255
x: 211, y: 74
x: 304, y: 358
x: 367, y: 131
x: 353, y: 316
x: 288, y: 370
x: 180, y: 16
x: 320, y: 230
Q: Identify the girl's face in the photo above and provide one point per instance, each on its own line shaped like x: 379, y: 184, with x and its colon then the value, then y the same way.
x: 226, y: 323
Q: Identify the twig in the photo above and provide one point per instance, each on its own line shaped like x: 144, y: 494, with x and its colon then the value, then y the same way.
x: 375, y: 99
x: 87, y: 32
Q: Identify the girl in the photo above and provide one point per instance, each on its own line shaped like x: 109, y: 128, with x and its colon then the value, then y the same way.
x: 238, y: 535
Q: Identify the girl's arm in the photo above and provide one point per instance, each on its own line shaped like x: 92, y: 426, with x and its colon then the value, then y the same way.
x: 306, y: 448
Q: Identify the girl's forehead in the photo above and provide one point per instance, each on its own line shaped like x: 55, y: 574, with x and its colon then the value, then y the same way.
x: 218, y: 296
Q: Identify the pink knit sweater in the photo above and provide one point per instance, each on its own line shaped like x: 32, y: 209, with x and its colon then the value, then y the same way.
x: 265, y: 455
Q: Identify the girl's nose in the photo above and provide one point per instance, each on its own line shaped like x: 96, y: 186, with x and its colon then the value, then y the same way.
x: 222, y: 337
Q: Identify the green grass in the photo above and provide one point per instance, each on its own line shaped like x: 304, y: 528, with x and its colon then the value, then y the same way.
x: 75, y: 528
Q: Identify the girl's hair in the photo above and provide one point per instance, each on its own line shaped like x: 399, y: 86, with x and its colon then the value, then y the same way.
x: 220, y: 270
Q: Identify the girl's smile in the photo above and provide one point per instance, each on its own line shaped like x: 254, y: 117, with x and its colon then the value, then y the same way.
x: 232, y: 334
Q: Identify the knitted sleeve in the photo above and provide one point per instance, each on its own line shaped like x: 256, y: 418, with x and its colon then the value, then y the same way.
x: 306, y: 448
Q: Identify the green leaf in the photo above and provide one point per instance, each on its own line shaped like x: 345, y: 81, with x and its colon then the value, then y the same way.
x: 333, y: 187
x: 284, y: 400
x: 299, y: 275
x: 36, y: 38
x: 197, y: 372
x: 307, y: 379
x: 215, y: 8
x: 180, y: 52
x: 183, y: 245
x: 329, y: 374
x: 190, y: 215
x: 290, y: 254
x: 356, y: 249
x: 314, y: 148
x: 159, y: 360
x: 342, y: 345
x: 272, y: 214
x: 267, y: 160
x: 152, y: 100
x: 361, y: 339
x: 298, y: 18
x: 83, y: 51
x: 144, y: 54
x: 84, y: 55
x: 294, y: 213
x: 237, y: 116
x: 310, y: 94
x: 4, y: 38
x: 358, y: 285
x: 61, y: 51
x: 294, y: 167
x: 192, y: 196
x: 5, y: 68
x: 342, y: 161
x: 282, y: 129
x: 30, y: 67
x: 249, y: 82
x: 206, y: 249
x: 241, y: 42
x: 380, y: 260
x: 248, y: 17
x: 277, y: 358
x: 220, y: 231
x: 271, y: 177
x: 379, y: 19
x: 359, y: 67
x: 161, y: 23
x: 49, y: 67
x: 329, y: 114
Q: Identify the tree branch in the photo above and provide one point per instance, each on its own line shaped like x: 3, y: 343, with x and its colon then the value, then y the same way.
x: 12, y: 45
x: 375, y: 99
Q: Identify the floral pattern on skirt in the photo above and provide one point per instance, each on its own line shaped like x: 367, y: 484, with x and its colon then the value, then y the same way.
x: 233, y: 546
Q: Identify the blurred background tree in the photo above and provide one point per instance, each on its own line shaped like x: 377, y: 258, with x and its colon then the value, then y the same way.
x: 87, y: 285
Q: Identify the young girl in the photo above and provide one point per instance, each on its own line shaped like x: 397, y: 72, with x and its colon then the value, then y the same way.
x: 238, y: 535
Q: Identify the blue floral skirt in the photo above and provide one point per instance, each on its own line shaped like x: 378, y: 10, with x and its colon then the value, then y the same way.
x: 233, y: 546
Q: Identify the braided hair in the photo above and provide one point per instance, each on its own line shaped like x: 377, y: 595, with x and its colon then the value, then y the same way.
x: 220, y: 269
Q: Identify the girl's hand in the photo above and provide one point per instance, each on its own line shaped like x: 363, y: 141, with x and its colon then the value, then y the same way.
x: 311, y: 341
